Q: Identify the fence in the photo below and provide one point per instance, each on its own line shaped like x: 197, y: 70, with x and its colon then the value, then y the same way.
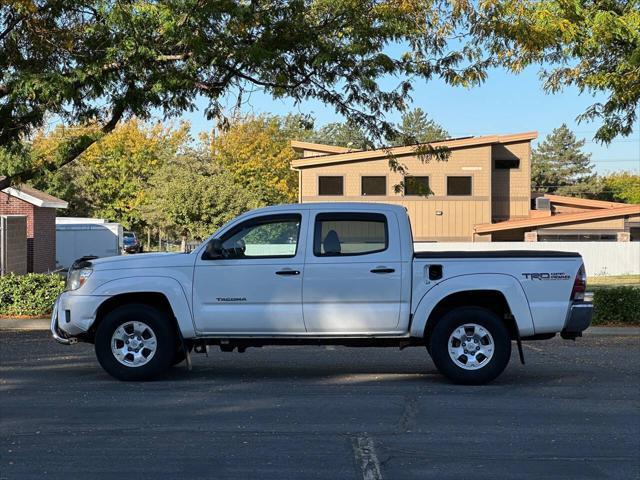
x: 13, y: 244
x: 600, y: 258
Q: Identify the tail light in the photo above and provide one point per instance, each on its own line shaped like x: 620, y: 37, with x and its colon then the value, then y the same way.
x: 579, y: 285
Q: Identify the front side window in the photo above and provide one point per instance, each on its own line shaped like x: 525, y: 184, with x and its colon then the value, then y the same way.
x: 330, y: 186
x: 263, y: 238
x: 343, y: 234
x: 459, y: 186
x: 416, y: 186
x: 374, y: 186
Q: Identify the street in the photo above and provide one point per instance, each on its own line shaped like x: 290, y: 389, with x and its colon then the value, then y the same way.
x: 321, y: 412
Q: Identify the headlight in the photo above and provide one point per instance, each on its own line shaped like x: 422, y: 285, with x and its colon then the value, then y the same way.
x: 77, y: 278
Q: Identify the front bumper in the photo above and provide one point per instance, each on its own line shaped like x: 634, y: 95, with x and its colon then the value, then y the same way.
x: 57, y: 334
x: 578, y: 320
x: 73, y: 315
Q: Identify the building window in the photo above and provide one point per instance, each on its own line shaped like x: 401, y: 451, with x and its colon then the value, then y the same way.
x: 459, y: 186
x: 374, y: 185
x: 344, y: 234
x: 330, y: 186
x: 416, y: 186
x: 507, y: 164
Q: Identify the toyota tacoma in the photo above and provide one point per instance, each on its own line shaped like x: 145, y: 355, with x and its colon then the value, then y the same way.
x: 321, y: 273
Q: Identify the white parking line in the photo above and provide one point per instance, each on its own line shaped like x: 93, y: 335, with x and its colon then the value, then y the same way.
x: 366, y: 457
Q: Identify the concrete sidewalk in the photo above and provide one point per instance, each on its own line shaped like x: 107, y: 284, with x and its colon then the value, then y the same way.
x: 30, y: 324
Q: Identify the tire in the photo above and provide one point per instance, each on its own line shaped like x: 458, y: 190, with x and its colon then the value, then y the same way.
x: 151, y: 333
x: 489, y: 349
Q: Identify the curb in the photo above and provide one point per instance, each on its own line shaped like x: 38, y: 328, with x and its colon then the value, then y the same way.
x: 45, y: 324
x: 27, y: 324
x: 609, y: 331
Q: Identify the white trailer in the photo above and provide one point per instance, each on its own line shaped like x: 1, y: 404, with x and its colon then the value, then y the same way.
x: 78, y: 237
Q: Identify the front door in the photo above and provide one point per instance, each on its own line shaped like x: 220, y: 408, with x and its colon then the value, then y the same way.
x: 255, y: 286
x: 353, y: 274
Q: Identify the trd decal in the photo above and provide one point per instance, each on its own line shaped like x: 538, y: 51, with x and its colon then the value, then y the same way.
x: 547, y: 276
x: 231, y: 299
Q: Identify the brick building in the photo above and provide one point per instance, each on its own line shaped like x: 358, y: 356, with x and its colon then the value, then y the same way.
x: 40, y: 210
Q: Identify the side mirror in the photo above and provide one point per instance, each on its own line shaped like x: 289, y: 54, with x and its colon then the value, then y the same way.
x: 214, y: 249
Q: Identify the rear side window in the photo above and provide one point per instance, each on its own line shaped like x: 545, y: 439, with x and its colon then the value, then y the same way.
x: 344, y: 234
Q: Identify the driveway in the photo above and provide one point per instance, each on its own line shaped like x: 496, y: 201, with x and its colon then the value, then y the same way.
x: 321, y: 412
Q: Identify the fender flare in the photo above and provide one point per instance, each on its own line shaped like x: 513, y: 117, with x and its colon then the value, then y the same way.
x: 167, y: 286
x: 507, y: 285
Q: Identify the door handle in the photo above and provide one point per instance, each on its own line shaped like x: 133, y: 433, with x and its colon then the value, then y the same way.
x: 288, y: 272
x: 383, y: 270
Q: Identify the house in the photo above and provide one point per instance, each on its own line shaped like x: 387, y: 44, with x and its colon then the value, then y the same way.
x: 481, y: 193
x: 39, y: 209
x: 555, y: 218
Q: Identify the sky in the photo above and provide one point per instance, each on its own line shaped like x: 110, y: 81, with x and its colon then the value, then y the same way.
x: 505, y: 103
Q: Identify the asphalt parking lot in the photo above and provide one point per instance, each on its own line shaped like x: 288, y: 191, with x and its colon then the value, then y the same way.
x: 321, y: 412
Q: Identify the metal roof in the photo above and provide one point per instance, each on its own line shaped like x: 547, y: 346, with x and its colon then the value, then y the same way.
x: 366, y: 155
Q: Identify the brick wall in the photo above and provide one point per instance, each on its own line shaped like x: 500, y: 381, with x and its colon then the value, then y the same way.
x: 41, y: 232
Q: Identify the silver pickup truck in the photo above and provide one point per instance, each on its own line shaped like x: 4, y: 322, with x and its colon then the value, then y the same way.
x: 338, y: 273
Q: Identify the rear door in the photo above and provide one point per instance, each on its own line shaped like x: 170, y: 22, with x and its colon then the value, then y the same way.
x: 353, y: 273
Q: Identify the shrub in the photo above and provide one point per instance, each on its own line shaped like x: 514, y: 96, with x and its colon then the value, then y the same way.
x: 31, y: 294
x: 617, y: 305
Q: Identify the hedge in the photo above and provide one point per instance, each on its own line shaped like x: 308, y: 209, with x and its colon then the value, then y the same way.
x: 31, y: 294
x: 616, y: 305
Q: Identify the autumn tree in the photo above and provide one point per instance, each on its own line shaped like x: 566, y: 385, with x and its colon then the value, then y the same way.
x: 256, y: 152
x: 621, y: 187
x: 109, y: 180
x: 559, y: 162
x: 99, y: 61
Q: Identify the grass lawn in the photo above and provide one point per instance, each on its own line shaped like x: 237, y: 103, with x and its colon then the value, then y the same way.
x: 594, y: 283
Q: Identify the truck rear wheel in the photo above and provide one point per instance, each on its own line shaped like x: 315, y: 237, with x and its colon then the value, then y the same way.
x: 470, y: 345
x: 135, y: 342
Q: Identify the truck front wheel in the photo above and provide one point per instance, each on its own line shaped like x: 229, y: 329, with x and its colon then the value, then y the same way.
x: 470, y: 345
x: 135, y: 342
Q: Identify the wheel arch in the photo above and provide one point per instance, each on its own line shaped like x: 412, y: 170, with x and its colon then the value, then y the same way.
x: 499, y: 293
x: 167, y: 295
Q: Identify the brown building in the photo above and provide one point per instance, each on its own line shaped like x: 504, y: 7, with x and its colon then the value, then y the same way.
x: 40, y: 211
x: 485, y: 179
x: 481, y: 193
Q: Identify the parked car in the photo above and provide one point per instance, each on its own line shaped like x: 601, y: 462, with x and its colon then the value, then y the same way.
x: 325, y: 273
x: 130, y: 243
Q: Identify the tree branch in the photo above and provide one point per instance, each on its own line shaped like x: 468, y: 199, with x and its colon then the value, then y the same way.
x: 11, y: 26
x: 79, y: 147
